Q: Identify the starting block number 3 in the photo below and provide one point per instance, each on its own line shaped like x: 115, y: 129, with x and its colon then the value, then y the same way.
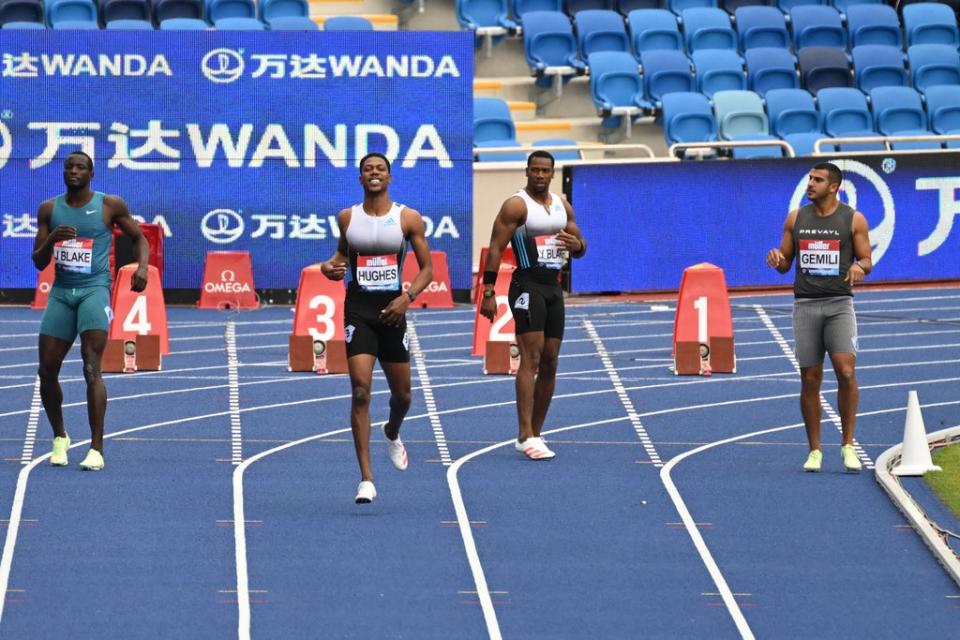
x: 503, y: 317
x: 137, y: 320
x: 324, y: 318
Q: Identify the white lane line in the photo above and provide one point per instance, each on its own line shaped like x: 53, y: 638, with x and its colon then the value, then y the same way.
x: 240, y: 530
x: 30, y: 439
x: 236, y: 435
x: 827, y: 407
x: 622, y: 394
x: 421, y: 363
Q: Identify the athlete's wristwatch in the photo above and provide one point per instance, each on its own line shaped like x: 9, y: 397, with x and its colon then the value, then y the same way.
x: 489, y: 293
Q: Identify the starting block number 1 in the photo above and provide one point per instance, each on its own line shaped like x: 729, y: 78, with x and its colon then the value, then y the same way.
x: 700, y: 304
x: 137, y: 320
x: 324, y: 317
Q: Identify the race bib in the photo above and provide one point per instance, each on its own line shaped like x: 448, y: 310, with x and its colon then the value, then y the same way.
x: 378, y: 273
x: 74, y: 255
x: 820, y: 257
x: 550, y: 252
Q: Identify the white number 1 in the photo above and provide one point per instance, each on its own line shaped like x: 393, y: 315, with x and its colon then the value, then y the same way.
x: 700, y: 304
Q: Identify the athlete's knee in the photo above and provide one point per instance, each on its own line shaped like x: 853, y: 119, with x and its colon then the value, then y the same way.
x: 811, y: 377
x: 548, y: 364
x: 400, y: 399
x: 846, y: 374
x: 530, y: 359
x: 48, y: 372
x: 91, y: 372
x: 360, y: 395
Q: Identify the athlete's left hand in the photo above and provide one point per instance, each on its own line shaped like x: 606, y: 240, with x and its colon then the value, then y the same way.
x: 570, y: 241
x: 855, y: 274
x: 394, y: 312
x: 139, y: 280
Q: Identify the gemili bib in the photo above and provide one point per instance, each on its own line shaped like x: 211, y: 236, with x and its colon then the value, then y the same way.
x: 534, y: 242
x: 377, y: 248
x: 83, y: 261
x: 823, y: 248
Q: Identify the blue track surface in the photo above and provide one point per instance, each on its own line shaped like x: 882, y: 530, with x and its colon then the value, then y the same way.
x: 590, y: 545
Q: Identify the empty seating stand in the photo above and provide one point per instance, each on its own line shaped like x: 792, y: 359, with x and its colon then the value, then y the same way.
x: 550, y: 48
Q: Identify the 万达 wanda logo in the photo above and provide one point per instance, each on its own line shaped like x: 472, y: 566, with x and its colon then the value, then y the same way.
x: 222, y: 66
x: 222, y: 226
x: 881, y: 235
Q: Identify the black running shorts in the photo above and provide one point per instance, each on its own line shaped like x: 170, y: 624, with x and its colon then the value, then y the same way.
x: 536, y: 301
x: 366, y: 333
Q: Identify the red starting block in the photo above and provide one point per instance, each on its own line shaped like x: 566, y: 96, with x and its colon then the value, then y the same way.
x: 44, y: 284
x: 501, y: 357
x: 126, y: 356
x: 437, y: 295
x: 502, y: 327
x: 228, y: 281
x: 139, y: 314
x: 703, y: 326
x: 317, y: 343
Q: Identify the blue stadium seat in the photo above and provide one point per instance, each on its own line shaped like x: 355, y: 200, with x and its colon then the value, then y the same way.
x: 718, y: 70
x: 23, y: 26
x: 708, y: 28
x: 129, y: 25
x: 843, y: 6
x: 654, y: 29
x: 665, y: 72
x: 877, y: 65
x: 787, y: 5
x: 823, y: 67
x: 183, y: 24
x: 500, y: 156
x: 600, y: 30
x: 21, y: 12
x: 190, y: 10
x: 873, y: 24
x: 679, y: 6
x: 688, y: 117
x: 792, y: 111
x: 771, y: 68
x: 933, y: 64
x: 930, y: 23
x: 573, y: 7
x: 626, y: 6
x: 761, y: 27
x: 287, y: 15
x: 739, y: 114
x: 804, y: 144
x: 492, y: 121
x: 347, y: 23
x: 898, y: 111
x: 560, y: 154
x: 616, y: 86
x: 522, y: 7
x: 732, y: 6
x: 943, y: 111
x: 845, y: 115
x: 817, y: 26
x: 217, y: 9
x: 480, y: 14
x: 72, y: 14
x: 549, y: 44
x: 239, y: 24
x: 129, y: 11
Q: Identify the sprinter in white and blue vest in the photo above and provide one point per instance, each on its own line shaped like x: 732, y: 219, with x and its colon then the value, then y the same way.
x: 373, y: 243
x: 543, y: 231
x: 831, y: 244
x: 75, y: 230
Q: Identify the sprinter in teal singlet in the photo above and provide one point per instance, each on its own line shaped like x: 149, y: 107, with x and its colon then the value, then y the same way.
x: 831, y: 245
x: 75, y: 230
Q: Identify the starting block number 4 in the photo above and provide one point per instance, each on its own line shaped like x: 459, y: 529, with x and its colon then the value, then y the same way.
x: 138, y: 320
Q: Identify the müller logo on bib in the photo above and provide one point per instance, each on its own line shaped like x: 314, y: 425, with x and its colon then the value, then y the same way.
x: 75, y: 255
x: 378, y: 272
x: 820, y: 257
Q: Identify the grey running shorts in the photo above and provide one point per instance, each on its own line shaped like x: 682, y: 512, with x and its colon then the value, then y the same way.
x: 823, y: 325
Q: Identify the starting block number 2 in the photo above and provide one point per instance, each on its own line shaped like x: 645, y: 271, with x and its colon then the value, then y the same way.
x: 501, y: 320
x: 326, y: 328
x: 137, y: 320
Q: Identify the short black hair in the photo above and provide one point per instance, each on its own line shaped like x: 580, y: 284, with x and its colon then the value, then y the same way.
x: 836, y: 176
x: 540, y: 154
x: 80, y: 152
x: 374, y: 154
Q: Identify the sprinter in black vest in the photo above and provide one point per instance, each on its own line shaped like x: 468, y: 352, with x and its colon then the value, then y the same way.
x: 373, y: 243
x: 832, y: 246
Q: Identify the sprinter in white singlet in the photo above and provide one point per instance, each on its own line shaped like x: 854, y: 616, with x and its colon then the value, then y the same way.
x: 543, y: 231
x: 372, y: 246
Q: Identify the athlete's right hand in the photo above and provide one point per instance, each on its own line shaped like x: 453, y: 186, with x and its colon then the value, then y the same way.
x: 488, y: 307
x: 61, y: 233
x: 774, y: 258
x: 334, y: 270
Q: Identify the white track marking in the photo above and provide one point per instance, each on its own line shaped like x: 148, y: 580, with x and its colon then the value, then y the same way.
x: 827, y: 407
x: 236, y: 434
x: 428, y: 397
x: 622, y: 394
x: 30, y: 438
